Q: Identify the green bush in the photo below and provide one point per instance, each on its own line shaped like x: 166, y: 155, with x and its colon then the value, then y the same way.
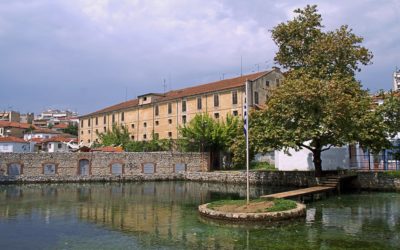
x: 394, y: 173
x: 262, y: 166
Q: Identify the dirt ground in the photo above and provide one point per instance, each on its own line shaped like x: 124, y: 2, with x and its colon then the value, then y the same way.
x: 253, y: 207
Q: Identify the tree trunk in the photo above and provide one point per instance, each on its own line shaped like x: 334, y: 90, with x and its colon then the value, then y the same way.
x: 317, y: 162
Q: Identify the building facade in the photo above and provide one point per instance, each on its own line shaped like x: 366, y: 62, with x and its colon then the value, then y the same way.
x: 161, y: 115
x: 396, y: 80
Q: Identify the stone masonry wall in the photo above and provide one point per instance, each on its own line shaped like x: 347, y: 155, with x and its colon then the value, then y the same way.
x: 379, y: 181
x: 67, y: 165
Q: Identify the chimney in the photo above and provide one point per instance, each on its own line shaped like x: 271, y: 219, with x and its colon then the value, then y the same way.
x: 276, y: 68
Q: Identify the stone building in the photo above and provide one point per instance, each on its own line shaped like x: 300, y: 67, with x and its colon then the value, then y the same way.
x: 161, y: 115
x: 396, y: 80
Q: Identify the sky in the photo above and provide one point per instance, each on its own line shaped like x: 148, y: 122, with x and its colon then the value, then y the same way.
x: 85, y: 55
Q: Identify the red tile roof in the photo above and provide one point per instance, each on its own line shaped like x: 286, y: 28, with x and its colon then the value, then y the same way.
x: 108, y: 149
x: 59, y: 139
x: 44, y: 131
x: 61, y: 126
x: 12, y: 139
x: 15, y: 124
x: 191, y: 91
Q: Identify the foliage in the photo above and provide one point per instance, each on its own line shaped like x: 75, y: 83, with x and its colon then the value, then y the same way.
x: 203, y: 133
x: 215, y: 204
x: 153, y: 145
x: 282, y: 205
x: 320, y: 103
x: 262, y: 166
x: 71, y: 129
x: 117, y: 136
x: 394, y: 173
x: 390, y: 112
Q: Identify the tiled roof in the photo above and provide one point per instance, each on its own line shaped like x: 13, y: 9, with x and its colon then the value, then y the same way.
x: 60, y: 139
x: 15, y: 124
x: 61, y: 126
x: 191, y: 91
x: 12, y: 139
x: 44, y: 131
x: 108, y: 149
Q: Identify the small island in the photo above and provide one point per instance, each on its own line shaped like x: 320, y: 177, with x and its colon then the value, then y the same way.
x: 259, y: 210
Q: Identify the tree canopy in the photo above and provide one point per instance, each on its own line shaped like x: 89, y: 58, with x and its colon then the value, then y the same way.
x: 320, y: 104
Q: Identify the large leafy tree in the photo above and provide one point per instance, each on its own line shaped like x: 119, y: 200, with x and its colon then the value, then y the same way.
x: 320, y: 104
x: 117, y: 136
x: 203, y: 133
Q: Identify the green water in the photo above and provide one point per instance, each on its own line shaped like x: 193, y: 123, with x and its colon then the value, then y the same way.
x: 163, y: 215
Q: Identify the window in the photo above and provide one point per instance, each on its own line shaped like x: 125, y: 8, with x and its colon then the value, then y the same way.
x: 82, y: 124
x: 267, y: 83
x: 216, y: 115
x: 184, y: 119
x: 49, y: 169
x: 81, y: 132
x: 113, y: 118
x: 132, y: 125
x: 88, y: 122
x: 256, y: 97
x: 216, y: 100
x: 84, y: 167
x: 97, y: 131
x: 104, y: 129
x: 145, y: 98
x: 156, y: 110
x: 148, y: 168
x: 116, y: 168
x: 169, y: 108
x: 144, y: 136
x: 97, y: 121
x: 88, y: 131
x: 180, y: 167
x: 234, y: 97
x: 104, y: 119
x: 88, y: 141
x: 59, y: 145
x: 169, y: 134
x: 235, y: 113
x: 169, y: 121
x: 157, y: 123
x: 122, y: 116
x: 184, y: 106
x: 277, y: 82
x: 199, y: 103
x: 14, y: 169
x: 132, y: 137
x: 145, y: 124
x: 156, y: 136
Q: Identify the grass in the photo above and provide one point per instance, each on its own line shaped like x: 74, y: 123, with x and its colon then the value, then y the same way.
x: 282, y: 205
x: 262, y: 166
x: 394, y: 173
x: 279, y: 204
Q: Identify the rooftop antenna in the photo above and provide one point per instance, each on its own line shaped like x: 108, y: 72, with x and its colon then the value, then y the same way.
x: 164, y: 86
x: 258, y: 67
x: 170, y: 81
x: 223, y: 76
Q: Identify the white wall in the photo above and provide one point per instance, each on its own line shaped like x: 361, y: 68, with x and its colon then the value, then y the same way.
x: 52, y: 147
x: 14, y: 147
x: 332, y: 159
x: 29, y: 136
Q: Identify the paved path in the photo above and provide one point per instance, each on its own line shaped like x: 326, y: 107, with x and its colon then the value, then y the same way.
x: 300, y: 192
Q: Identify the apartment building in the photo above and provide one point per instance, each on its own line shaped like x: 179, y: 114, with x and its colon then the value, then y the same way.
x: 161, y: 115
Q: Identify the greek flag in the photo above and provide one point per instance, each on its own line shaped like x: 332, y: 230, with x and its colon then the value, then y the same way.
x: 245, y: 116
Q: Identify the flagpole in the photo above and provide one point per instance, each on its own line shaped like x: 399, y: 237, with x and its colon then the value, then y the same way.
x: 247, y: 144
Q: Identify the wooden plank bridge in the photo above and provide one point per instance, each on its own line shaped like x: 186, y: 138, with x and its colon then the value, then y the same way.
x: 327, y: 185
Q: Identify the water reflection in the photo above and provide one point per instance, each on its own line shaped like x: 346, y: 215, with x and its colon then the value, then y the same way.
x: 164, y: 215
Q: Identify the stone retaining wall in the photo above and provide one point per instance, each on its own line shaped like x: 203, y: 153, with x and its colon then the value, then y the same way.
x: 379, y: 181
x: 99, y: 166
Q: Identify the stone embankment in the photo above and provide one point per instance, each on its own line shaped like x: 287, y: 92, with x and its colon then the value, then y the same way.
x: 299, y: 211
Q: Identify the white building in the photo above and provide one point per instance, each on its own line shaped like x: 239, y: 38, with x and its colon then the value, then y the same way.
x: 12, y: 144
x: 396, y: 80
x: 42, y: 133
x: 58, y: 144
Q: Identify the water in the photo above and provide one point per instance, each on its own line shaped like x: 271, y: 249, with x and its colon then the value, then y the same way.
x: 163, y: 215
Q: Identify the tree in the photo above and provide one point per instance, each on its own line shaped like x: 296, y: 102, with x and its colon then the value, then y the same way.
x: 117, y: 136
x: 205, y: 134
x: 320, y: 104
x: 71, y: 129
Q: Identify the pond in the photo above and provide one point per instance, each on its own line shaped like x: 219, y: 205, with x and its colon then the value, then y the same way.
x: 163, y: 215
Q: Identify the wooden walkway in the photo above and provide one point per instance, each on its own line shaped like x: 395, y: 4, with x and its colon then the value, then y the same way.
x: 300, y: 192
